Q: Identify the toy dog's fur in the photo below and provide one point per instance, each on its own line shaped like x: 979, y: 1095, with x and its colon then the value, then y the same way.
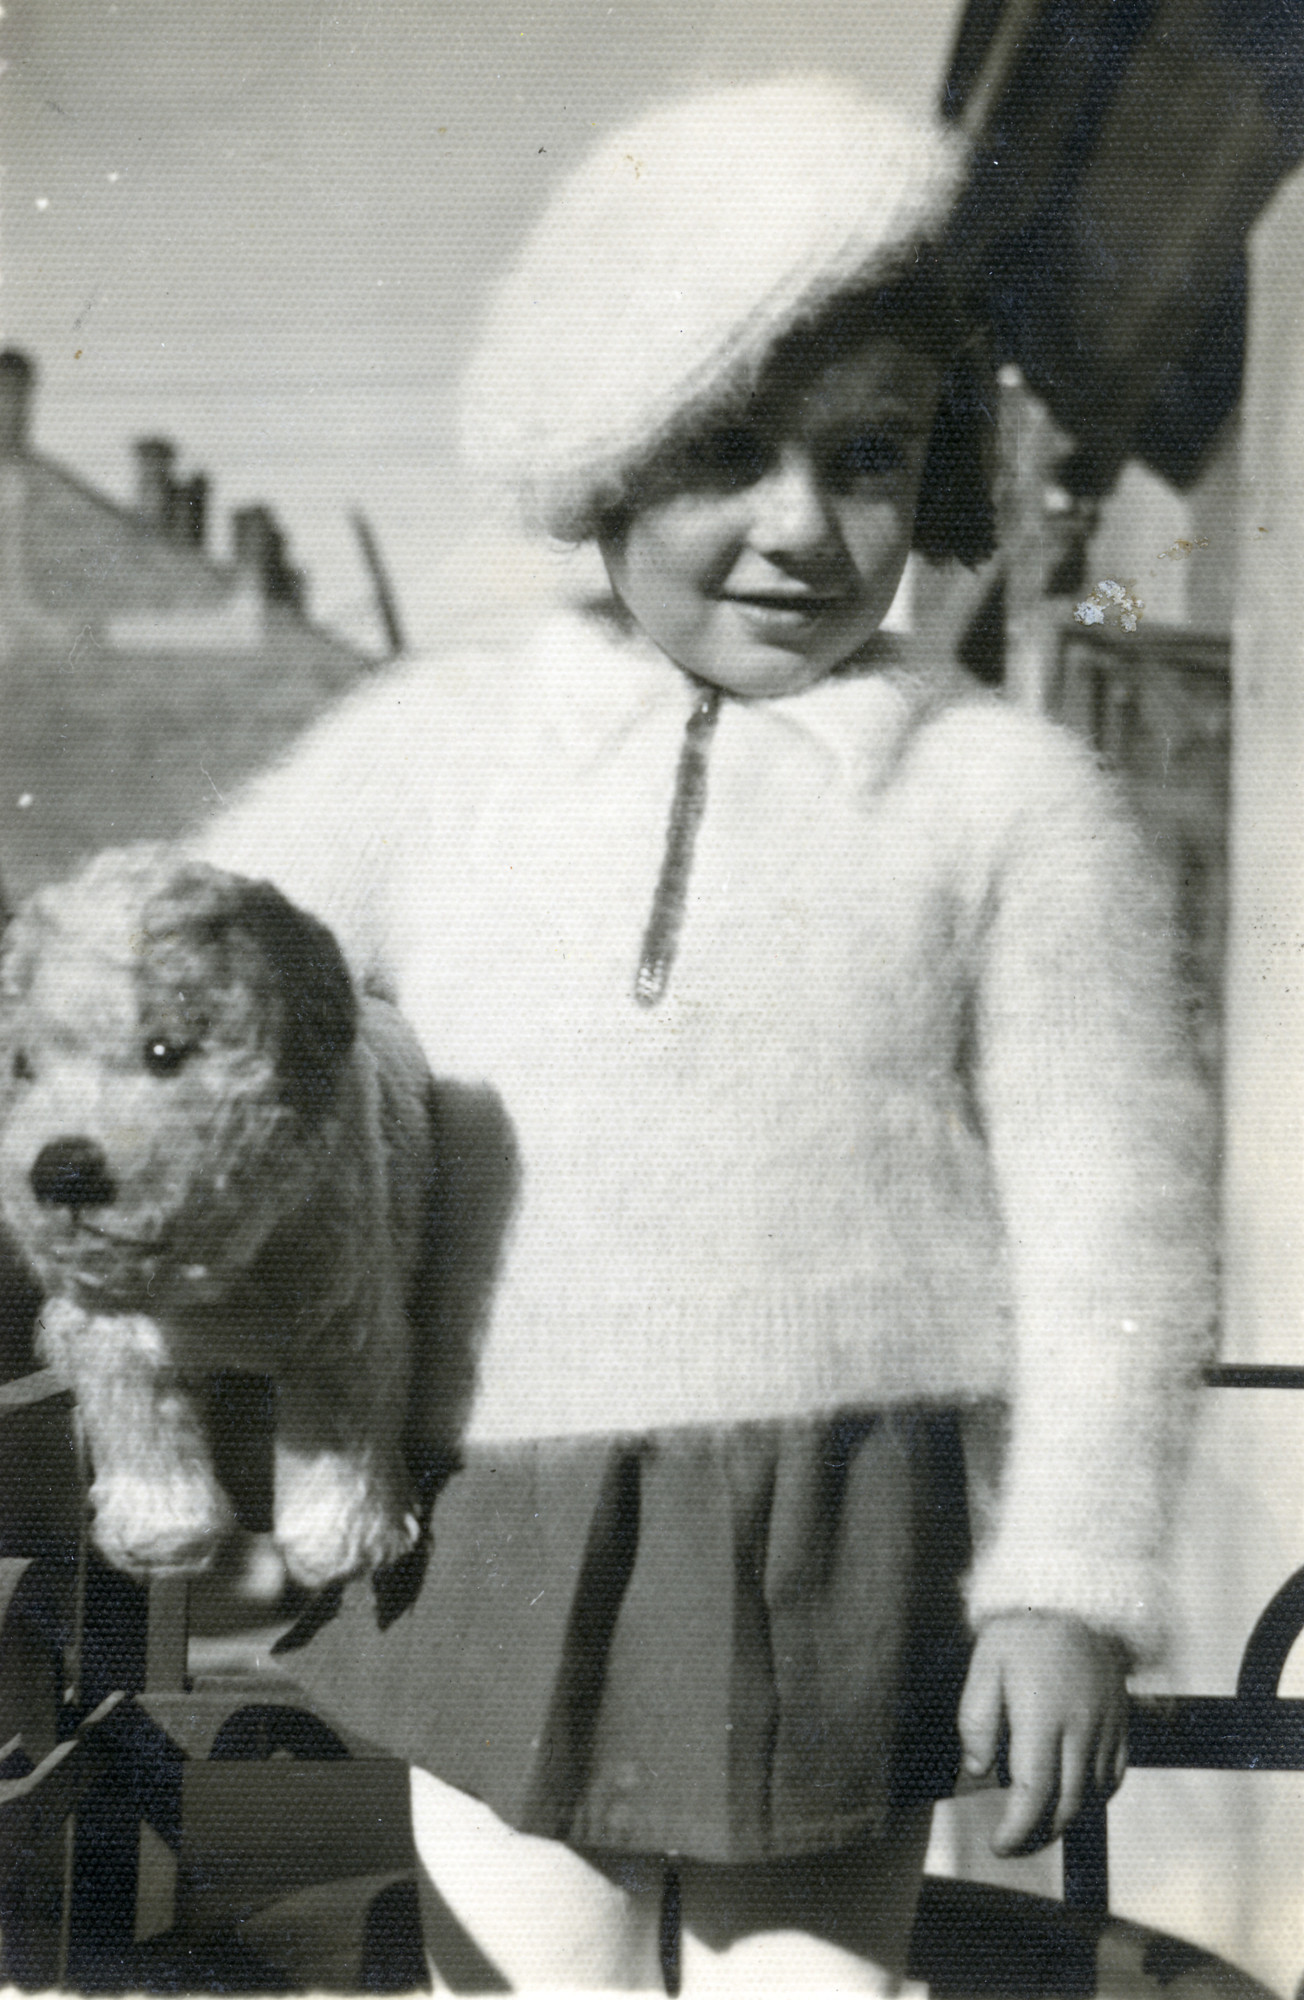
x: 215, y: 1155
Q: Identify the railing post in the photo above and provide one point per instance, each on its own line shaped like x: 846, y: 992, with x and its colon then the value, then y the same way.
x: 1086, y: 1859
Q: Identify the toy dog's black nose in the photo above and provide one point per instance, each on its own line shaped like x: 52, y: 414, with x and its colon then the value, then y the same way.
x: 72, y: 1173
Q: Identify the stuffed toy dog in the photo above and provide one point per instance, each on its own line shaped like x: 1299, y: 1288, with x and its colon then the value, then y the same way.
x: 214, y: 1154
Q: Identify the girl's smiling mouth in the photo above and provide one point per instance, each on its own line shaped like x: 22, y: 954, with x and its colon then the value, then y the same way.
x: 782, y: 611
x: 782, y: 600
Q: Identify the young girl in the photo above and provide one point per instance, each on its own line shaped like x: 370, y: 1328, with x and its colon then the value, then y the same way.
x: 812, y: 1089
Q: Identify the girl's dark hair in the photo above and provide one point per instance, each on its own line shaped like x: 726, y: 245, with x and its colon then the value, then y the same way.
x: 954, y: 514
x: 955, y: 517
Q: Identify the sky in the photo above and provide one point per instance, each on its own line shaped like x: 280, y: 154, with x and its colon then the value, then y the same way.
x: 266, y: 228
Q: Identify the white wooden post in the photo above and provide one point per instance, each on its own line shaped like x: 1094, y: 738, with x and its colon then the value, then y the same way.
x: 1252, y: 1475
x: 1264, y: 1182
x: 1219, y: 1857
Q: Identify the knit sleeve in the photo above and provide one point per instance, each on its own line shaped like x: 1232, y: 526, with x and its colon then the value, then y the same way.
x: 1099, y: 1140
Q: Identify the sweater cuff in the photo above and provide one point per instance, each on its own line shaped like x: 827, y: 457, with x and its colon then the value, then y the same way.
x: 1125, y: 1600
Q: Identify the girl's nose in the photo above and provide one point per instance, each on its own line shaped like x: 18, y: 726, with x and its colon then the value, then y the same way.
x: 791, y: 512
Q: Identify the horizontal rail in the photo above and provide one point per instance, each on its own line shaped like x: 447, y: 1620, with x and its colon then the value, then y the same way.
x: 1163, y: 645
x: 25, y: 1390
x: 1253, y: 1375
x: 1216, y: 1733
x: 47, y: 1382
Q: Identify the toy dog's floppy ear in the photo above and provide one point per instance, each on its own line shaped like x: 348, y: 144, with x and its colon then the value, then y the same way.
x: 289, y: 956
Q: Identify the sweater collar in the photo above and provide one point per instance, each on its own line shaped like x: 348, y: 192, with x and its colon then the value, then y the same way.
x: 608, y: 680
x: 604, y: 681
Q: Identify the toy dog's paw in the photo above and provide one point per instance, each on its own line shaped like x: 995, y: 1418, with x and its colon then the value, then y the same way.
x: 334, y: 1520
x: 171, y: 1525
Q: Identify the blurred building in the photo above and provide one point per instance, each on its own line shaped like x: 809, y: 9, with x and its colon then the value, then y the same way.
x: 142, y: 675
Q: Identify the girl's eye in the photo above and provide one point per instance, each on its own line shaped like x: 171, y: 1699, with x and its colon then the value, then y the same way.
x: 869, y: 455
x: 733, y: 455
x: 162, y: 1057
x: 20, y: 1067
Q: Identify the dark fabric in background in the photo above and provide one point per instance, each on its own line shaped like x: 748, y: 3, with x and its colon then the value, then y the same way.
x: 1123, y: 148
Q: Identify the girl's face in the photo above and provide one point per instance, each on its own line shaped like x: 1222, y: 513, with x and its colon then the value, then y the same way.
x: 779, y: 540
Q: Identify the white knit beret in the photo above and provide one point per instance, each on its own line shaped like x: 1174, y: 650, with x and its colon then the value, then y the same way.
x: 667, y: 266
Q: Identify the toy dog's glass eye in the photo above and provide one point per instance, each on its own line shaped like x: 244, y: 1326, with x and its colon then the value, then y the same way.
x: 163, y: 1057
x: 20, y: 1067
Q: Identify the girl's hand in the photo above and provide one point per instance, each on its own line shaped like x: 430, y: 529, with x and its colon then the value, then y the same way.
x: 1060, y: 1691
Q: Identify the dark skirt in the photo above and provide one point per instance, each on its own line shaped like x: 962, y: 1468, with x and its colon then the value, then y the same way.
x: 734, y: 1643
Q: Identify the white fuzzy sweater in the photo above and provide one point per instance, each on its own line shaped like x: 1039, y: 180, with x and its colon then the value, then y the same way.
x: 914, y: 1121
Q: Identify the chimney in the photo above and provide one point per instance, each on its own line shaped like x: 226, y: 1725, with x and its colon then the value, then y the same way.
x: 253, y: 532
x: 154, y: 483
x: 189, y: 511
x: 17, y: 379
x: 260, y: 549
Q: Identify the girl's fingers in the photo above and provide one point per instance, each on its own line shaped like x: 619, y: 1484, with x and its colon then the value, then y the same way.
x: 1024, y: 1815
x: 1105, y: 1765
x: 1035, y: 1780
x: 1059, y: 1781
x: 1111, y: 1758
x: 981, y: 1715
